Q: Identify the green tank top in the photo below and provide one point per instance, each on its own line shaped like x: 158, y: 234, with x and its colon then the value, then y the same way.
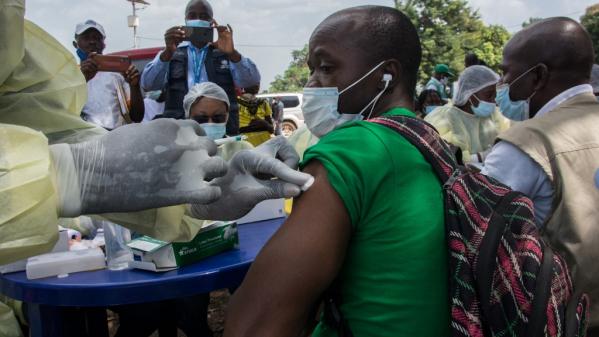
x: 394, y: 277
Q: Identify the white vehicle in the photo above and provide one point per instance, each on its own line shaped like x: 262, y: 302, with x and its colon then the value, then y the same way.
x: 292, y: 112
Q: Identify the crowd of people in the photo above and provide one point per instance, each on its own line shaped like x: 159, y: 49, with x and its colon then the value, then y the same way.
x: 140, y: 150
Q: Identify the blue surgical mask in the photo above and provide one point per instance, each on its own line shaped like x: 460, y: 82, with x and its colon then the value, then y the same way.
x: 82, y: 55
x: 319, y: 107
x: 198, y: 23
x: 214, y: 131
x: 514, y: 110
x: 484, y: 109
x: 429, y: 108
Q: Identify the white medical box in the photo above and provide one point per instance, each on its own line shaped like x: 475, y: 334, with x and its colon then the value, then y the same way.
x: 64, y: 263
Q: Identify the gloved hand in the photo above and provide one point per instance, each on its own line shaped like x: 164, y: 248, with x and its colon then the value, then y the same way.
x: 136, y: 167
x: 248, y: 180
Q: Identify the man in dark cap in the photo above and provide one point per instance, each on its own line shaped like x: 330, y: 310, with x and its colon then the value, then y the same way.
x: 440, y: 81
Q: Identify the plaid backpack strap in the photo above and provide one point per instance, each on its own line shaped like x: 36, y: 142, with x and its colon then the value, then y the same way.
x: 426, y: 139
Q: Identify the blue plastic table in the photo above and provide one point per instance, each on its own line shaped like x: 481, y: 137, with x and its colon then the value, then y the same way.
x: 46, y: 297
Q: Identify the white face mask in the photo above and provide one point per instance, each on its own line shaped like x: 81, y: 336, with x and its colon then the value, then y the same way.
x: 320, y: 105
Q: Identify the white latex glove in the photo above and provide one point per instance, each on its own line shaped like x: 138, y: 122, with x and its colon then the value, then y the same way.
x: 248, y: 180
x: 138, y: 166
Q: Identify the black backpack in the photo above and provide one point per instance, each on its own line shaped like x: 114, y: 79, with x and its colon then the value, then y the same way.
x: 504, y: 280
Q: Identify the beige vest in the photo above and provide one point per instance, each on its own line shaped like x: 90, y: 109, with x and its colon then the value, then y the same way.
x: 565, y: 143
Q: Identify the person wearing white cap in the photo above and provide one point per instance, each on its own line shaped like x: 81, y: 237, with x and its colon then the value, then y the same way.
x: 472, y: 122
x: 113, y: 99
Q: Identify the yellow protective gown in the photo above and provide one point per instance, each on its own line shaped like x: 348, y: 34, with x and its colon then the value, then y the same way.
x: 302, y: 139
x: 470, y: 133
x: 42, y: 92
x: 42, y: 88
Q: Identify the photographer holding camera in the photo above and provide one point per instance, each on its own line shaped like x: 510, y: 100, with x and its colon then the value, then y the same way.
x: 191, y: 57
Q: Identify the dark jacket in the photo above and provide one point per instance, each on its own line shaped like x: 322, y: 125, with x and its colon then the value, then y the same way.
x: 217, y: 68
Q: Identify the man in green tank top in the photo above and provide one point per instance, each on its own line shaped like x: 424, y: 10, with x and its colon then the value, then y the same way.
x: 373, y: 220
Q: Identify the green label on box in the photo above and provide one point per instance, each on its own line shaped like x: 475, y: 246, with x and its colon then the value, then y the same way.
x: 209, y: 241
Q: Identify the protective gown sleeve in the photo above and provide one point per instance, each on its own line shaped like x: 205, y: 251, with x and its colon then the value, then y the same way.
x: 302, y: 139
x: 28, y: 199
x: 43, y: 89
x: 441, y: 120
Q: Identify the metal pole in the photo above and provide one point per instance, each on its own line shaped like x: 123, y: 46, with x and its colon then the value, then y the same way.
x: 134, y: 28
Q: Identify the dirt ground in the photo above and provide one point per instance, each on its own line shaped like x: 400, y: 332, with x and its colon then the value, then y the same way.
x: 216, y: 315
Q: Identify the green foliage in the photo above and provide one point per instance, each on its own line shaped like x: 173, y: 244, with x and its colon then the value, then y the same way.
x: 449, y: 29
x: 488, y: 44
x: 590, y: 21
x: 296, y: 76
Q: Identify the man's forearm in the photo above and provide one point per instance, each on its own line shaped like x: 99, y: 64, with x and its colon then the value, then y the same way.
x: 137, y: 110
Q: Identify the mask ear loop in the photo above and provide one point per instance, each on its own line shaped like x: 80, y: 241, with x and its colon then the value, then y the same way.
x: 361, y: 78
x: 524, y: 73
x: 472, y: 103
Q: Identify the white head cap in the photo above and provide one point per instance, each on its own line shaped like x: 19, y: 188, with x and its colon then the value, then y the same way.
x: 473, y: 79
x: 205, y: 89
x: 83, y: 26
x: 595, y: 78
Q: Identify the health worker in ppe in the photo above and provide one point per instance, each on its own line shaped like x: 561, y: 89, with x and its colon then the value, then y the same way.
x: 108, y: 173
x: 208, y: 104
x: 472, y: 122
x: 427, y: 102
x: 137, y: 167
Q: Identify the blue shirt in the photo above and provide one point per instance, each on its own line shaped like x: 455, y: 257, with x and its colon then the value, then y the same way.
x: 508, y: 164
x: 154, y: 77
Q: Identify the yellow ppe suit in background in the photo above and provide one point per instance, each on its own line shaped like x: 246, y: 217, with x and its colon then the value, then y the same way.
x: 302, y: 139
x: 470, y: 133
x: 226, y: 151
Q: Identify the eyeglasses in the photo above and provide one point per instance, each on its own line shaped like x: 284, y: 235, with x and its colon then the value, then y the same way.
x: 214, y: 119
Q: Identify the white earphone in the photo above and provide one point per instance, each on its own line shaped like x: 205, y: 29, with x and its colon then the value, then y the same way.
x: 387, y: 78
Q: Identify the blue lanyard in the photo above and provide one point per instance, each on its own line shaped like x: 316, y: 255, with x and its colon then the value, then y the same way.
x: 198, y: 62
